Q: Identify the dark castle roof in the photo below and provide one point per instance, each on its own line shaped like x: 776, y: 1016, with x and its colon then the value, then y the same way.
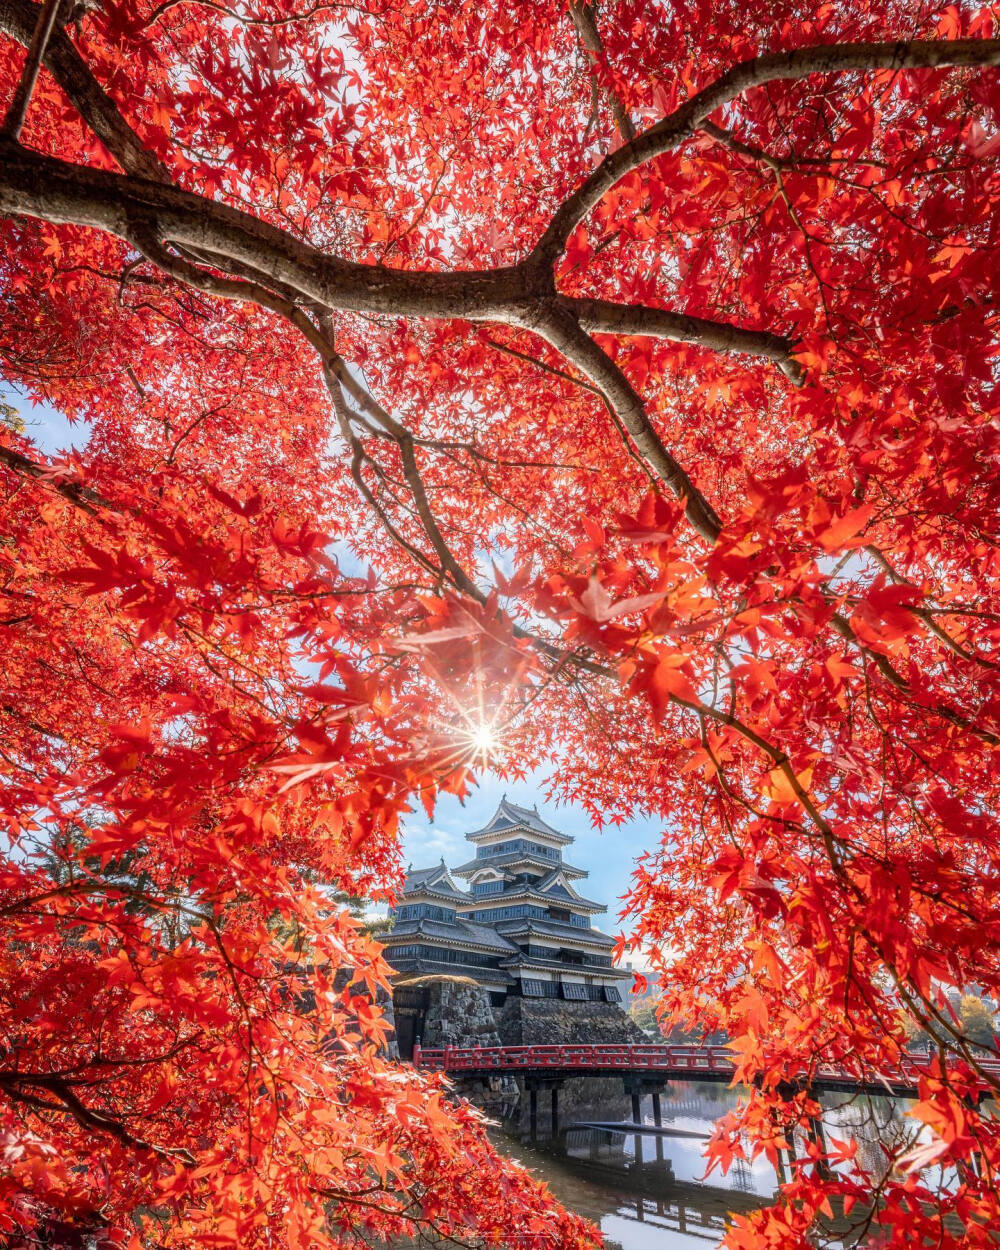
x: 524, y: 960
x: 415, y: 969
x: 509, y: 816
x: 514, y: 857
x: 552, y: 928
x: 456, y: 933
x: 436, y: 880
x: 540, y: 890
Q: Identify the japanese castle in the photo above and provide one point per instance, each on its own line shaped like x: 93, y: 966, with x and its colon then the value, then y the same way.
x: 520, y: 929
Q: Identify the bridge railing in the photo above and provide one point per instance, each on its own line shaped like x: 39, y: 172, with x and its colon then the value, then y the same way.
x: 603, y: 1057
x: 677, y: 1060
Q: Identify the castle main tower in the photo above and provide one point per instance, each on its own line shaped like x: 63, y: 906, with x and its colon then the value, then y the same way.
x: 522, y: 929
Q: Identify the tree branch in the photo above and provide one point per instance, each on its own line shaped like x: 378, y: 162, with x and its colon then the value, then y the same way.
x: 565, y: 335
x: 18, y: 107
x: 585, y: 20
x: 83, y: 497
x: 131, y: 207
x: 680, y: 125
x: 605, y: 317
x: 18, y: 19
x: 150, y: 215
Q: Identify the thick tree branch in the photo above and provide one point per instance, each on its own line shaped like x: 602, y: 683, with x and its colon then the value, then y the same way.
x: 585, y: 20
x: 18, y: 19
x: 149, y: 215
x: 605, y: 317
x: 13, y: 1084
x: 561, y: 330
x: 674, y: 130
x: 80, y: 496
x: 131, y: 208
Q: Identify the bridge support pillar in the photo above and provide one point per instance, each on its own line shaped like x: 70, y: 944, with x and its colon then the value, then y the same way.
x: 975, y: 1164
x: 638, y: 1086
x: 658, y: 1121
x: 533, y: 1082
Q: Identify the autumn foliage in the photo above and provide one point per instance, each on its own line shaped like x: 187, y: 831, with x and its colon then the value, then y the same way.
x: 623, y: 376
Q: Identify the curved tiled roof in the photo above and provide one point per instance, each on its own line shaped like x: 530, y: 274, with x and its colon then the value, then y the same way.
x: 509, y: 816
x: 411, y: 967
x: 436, y: 880
x: 522, y: 961
x: 553, y: 929
x: 517, y: 892
x: 459, y: 933
x: 514, y: 857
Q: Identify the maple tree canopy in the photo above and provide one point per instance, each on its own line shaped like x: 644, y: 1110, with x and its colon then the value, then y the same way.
x: 621, y: 377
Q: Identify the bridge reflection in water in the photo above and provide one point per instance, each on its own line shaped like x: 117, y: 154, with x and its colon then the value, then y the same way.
x: 647, y: 1190
x: 637, y: 1182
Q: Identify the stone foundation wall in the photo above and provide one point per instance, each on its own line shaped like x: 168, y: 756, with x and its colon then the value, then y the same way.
x: 459, y: 1013
x: 555, y: 1022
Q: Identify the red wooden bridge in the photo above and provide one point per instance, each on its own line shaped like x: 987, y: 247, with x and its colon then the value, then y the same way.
x: 652, y: 1063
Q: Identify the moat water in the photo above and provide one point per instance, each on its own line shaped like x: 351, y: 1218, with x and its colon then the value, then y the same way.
x: 650, y: 1191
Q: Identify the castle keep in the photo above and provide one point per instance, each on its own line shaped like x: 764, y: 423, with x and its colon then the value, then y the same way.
x: 522, y: 929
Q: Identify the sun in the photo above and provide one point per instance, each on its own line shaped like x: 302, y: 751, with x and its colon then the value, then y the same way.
x: 484, y: 739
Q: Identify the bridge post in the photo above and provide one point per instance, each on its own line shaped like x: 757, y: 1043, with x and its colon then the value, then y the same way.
x: 973, y: 1102
x: 533, y: 1102
x: 555, y: 1111
x: 816, y: 1135
x: 636, y: 1108
x: 657, y: 1117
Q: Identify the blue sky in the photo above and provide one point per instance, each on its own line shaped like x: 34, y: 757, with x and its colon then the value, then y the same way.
x: 608, y: 856
x: 47, y: 428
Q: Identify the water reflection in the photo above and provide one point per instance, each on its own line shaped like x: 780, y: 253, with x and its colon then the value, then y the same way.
x: 648, y: 1189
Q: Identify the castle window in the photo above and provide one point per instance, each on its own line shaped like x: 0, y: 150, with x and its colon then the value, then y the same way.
x: 487, y: 887
x: 517, y: 846
x: 576, y: 993
x: 424, y: 911
x: 531, y: 988
x: 507, y: 913
x: 405, y: 952
x: 612, y: 994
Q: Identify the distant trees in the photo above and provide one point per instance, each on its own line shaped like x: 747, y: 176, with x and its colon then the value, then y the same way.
x: 978, y: 1021
x: 976, y: 1017
x: 643, y: 1013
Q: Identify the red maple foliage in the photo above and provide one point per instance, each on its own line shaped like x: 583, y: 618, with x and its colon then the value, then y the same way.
x: 647, y: 356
